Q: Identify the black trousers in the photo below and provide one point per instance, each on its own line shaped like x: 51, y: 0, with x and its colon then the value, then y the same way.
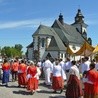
x: 14, y: 75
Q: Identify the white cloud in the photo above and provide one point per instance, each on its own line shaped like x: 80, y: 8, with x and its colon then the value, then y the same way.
x: 34, y: 23
x: 26, y: 23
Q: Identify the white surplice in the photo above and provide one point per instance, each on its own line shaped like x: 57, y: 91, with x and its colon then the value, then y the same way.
x: 48, y: 67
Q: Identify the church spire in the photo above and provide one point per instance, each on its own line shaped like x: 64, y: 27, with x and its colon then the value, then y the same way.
x: 61, y: 18
x: 79, y: 17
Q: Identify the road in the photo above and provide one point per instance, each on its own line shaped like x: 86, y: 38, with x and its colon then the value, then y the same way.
x: 14, y: 92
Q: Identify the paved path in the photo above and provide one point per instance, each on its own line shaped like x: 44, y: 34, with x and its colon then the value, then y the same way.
x: 14, y: 92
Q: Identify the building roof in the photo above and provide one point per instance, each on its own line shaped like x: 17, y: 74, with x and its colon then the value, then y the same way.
x: 56, y: 43
x: 81, y: 24
x: 30, y: 45
x: 43, y: 30
x: 67, y: 33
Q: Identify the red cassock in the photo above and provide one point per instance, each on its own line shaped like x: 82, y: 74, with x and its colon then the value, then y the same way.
x: 91, y: 89
x: 15, y: 66
x: 32, y: 81
x: 6, y: 66
x: 22, y: 74
x: 6, y: 72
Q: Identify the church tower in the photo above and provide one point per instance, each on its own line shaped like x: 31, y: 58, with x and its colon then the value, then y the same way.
x: 61, y: 19
x: 79, y: 17
x: 79, y: 23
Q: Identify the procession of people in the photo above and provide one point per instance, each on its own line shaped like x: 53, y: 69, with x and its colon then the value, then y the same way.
x: 79, y: 79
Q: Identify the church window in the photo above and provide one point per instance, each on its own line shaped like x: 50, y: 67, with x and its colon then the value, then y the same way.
x: 84, y: 34
x: 33, y: 39
x: 65, y: 55
x: 90, y: 41
x: 62, y: 55
x: 43, y: 42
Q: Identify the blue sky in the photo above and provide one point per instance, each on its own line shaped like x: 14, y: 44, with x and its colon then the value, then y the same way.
x: 20, y: 18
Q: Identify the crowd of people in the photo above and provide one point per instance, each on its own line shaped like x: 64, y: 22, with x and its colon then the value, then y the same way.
x: 81, y: 76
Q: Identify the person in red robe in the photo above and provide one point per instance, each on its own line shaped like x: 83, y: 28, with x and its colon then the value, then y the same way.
x: 22, y: 68
x: 6, y: 72
x: 31, y: 78
x: 14, y: 70
x: 91, y: 83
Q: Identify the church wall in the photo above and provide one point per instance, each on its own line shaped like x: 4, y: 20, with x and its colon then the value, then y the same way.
x: 78, y: 26
x: 30, y: 53
x: 54, y: 54
x: 35, y: 40
x: 42, y: 48
x: 42, y: 51
x: 48, y: 41
x: 63, y: 55
x: 84, y: 29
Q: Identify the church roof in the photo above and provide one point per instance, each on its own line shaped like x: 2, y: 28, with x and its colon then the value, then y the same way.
x: 43, y: 30
x: 83, y: 24
x: 67, y: 33
x: 56, y: 43
x: 30, y: 45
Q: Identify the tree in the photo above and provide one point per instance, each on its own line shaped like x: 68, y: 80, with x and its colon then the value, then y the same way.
x: 12, y: 51
x: 18, y: 47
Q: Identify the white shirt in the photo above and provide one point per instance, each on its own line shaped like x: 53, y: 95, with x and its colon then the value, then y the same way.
x: 62, y: 64
x: 57, y: 70
x: 74, y: 71
x: 87, y: 64
x: 67, y: 65
x: 82, y: 67
x: 48, y: 65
